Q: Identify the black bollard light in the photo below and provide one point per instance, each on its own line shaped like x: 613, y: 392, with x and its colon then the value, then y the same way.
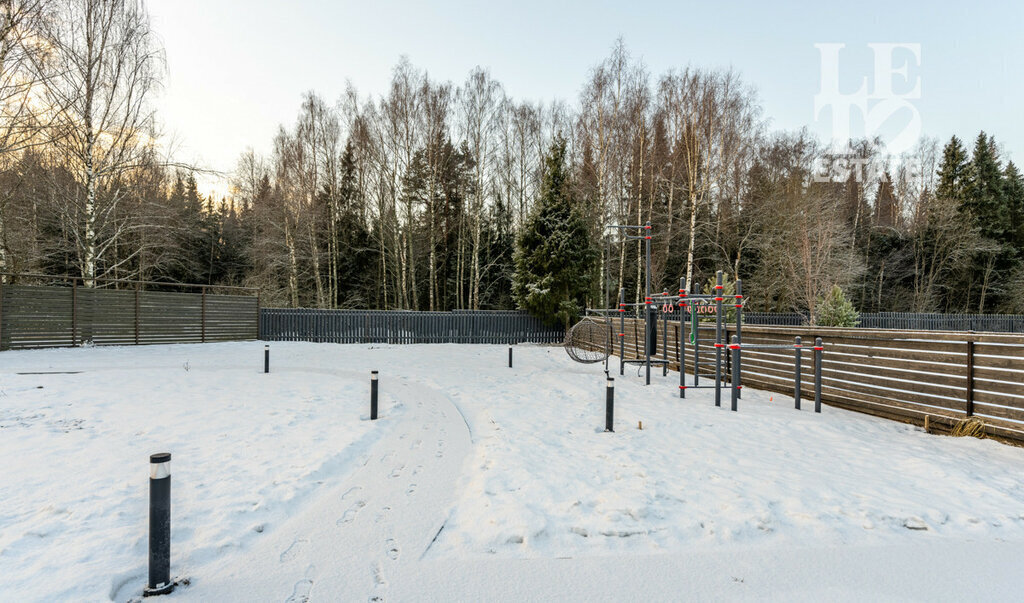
x: 266, y: 358
x: 609, y: 404
x: 509, y: 356
x: 159, y: 525
x: 797, y: 376
x: 373, y: 395
x: 818, y: 349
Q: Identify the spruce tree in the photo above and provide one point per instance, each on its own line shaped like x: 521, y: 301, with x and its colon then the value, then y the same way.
x: 984, y: 194
x: 1013, y: 190
x: 836, y: 311
x: 952, y: 171
x: 555, y: 258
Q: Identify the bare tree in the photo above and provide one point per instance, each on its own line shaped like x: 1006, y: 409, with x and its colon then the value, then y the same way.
x: 106, y: 63
x: 480, y: 101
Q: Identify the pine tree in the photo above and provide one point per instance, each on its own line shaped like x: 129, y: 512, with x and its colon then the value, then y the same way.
x: 952, y: 171
x: 555, y: 259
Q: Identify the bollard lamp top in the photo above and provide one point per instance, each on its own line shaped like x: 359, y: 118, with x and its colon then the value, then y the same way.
x: 160, y: 457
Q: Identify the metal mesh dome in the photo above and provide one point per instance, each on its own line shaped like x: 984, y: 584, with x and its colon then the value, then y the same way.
x: 587, y: 341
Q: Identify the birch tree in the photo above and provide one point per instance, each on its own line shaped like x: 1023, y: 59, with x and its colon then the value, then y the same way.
x: 106, y: 63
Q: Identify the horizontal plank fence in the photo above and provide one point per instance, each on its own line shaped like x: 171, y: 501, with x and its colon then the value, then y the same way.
x: 400, y: 327
x: 900, y: 375
x: 35, y: 316
x: 907, y: 321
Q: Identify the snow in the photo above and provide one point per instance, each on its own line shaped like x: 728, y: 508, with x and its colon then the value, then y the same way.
x: 479, y: 482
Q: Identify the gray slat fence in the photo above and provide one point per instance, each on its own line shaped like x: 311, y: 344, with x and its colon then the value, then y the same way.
x: 34, y: 316
x: 398, y: 327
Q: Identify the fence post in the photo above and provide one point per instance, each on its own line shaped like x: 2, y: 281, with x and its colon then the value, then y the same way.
x: 136, y: 314
x: 818, y: 349
x: 202, y: 317
x: 797, y: 374
x: 2, y: 312
x: 74, y: 310
x: 970, y: 379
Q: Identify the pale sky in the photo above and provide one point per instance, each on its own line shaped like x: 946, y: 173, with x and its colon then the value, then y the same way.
x: 236, y: 70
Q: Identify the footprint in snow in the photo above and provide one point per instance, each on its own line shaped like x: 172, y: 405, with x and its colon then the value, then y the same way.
x: 300, y: 594
x: 397, y: 471
x: 411, y: 489
x: 392, y: 549
x: 292, y: 551
x: 351, y: 512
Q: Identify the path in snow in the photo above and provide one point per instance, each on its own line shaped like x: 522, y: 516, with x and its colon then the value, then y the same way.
x: 373, y: 525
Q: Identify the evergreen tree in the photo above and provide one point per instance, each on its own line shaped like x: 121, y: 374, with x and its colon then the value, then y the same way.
x: 555, y: 259
x: 984, y: 194
x: 1014, y: 194
x: 837, y: 311
x: 952, y: 171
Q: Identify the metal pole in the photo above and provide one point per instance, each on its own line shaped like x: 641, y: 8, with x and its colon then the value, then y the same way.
x: 159, y: 525
x: 664, y: 343
x: 509, y: 356
x: 735, y: 371
x: 797, y: 372
x: 681, y: 335
x: 719, y: 343
x: 695, y: 325
x: 818, y: 349
x: 609, y: 404
x: 739, y: 327
x: 622, y: 331
x: 373, y: 395
x: 647, y: 297
x: 266, y: 358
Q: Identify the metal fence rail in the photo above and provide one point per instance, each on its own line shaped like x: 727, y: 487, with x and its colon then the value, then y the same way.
x: 378, y: 326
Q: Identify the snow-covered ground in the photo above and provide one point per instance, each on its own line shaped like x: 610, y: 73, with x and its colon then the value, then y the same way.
x: 479, y: 482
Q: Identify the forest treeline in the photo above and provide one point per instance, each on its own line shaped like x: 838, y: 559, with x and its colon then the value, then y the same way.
x: 423, y: 197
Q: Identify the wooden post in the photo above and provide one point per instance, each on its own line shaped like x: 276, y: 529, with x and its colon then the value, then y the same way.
x: 202, y: 318
x: 1, y: 312
x: 74, y: 310
x: 136, y: 314
x: 970, y: 379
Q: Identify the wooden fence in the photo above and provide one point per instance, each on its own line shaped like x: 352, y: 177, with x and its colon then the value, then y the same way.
x: 906, y: 321
x: 379, y: 326
x: 33, y: 316
x: 901, y: 375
